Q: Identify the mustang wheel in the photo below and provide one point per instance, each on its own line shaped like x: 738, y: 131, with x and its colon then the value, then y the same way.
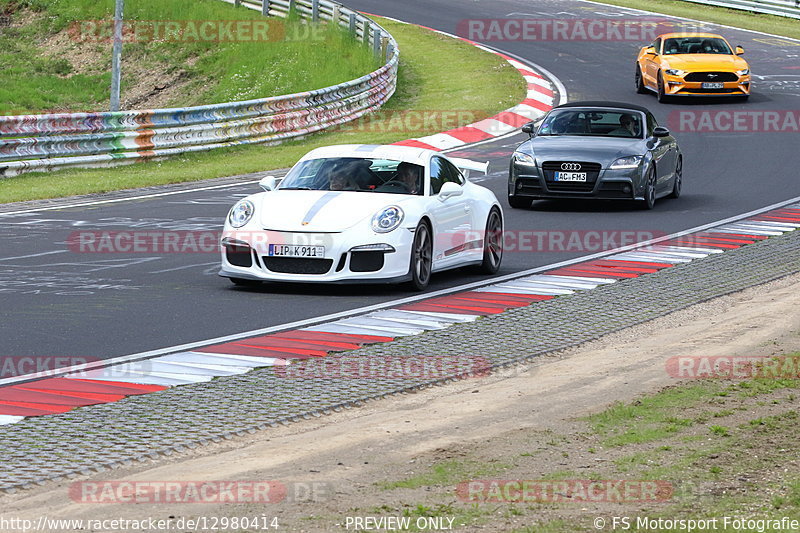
x: 678, y: 183
x: 519, y: 202
x: 421, y: 257
x: 650, y: 189
x: 662, y: 96
x: 492, y: 243
x: 640, y: 88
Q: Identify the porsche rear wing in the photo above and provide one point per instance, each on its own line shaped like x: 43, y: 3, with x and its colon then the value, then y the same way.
x: 465, y: 165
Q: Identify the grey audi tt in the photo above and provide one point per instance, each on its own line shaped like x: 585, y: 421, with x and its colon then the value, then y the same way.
x: 602, y: 150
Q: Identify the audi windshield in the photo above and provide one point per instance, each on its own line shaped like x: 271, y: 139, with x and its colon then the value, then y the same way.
x: 593, y: 122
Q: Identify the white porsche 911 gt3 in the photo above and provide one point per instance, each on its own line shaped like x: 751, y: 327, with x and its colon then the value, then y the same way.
x: 364, y: 213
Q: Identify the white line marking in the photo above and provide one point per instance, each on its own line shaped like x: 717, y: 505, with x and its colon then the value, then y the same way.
x: 33, y: 255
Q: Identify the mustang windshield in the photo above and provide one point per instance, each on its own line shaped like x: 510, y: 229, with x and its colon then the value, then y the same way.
x: 355, y: 174
x: 594, y: 122
x: 696, y: 45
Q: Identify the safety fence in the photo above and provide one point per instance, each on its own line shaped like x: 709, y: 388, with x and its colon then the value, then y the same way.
x: 782, y: 8
x: 46, y: 142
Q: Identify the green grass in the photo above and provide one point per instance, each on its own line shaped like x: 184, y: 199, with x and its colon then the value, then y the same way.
x: 38, y: 76
x: 446, y: 473
x: 483, y: 85
x: 720, y: 15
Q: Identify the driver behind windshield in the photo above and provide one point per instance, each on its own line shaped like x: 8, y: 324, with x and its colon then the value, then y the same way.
x: 627, y: 128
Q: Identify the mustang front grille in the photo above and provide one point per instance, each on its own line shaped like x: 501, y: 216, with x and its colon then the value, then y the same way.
x: 711, y: 76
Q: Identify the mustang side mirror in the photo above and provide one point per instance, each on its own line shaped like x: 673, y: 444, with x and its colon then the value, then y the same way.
x: 450, y: 189
x: 529, y: 128
x: 268, y: 183
x: 739, y: 50
x: 659, y: 131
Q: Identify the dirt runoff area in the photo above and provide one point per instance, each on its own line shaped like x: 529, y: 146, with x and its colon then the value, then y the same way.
x: 601, y: 433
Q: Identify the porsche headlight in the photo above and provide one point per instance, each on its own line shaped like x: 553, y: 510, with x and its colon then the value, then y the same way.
x: 676, y: 72
x: 743, y: 72
x: 520, y: 157
x: 631, y: 161
x: 241, y: 213
x: 387, y: 219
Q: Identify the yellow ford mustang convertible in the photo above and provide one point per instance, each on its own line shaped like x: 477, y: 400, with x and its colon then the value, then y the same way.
x: 696, y: 64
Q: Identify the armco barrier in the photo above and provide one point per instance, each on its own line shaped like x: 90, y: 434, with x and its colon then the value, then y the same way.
x: 44, y: 142
x: 782, y: 8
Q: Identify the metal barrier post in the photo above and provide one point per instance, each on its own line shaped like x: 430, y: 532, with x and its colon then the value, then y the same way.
x: 314, y: 10
x: 353, y: 23
x: 265, y: 7
x: 376, y: 42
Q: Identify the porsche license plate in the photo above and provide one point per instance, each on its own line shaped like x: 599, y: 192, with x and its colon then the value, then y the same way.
x: 295, y: 250
x: 570, y: 176
x: 713, y: 85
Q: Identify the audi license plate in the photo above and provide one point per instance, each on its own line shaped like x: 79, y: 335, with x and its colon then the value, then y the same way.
x: 294, y: 250
x: 713, y: 85
x: 570, y: 176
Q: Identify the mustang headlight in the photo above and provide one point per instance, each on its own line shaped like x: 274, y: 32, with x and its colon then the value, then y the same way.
x: 744, y: 72
x: 631, y: 161
x: 387, y: 219
x: 520, y: 157
x: 676, y: 72
x: 241, y: 213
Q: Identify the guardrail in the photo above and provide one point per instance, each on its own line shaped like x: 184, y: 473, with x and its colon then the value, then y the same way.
x: 46, y: 142
x: 782, y: 8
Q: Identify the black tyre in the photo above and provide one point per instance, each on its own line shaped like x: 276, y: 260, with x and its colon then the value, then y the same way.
x: 662, y: 96
x: 519, y: 202
x: 678, y: 183
x: 421, y: 257
x: 639, y: 82
x: 650, y: 189
x: 492, y: 243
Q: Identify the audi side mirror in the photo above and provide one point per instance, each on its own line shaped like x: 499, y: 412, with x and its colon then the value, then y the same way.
x: 660, y: 131
x: 529, y: 128
x: 650, y: 51
x: 739, y: 50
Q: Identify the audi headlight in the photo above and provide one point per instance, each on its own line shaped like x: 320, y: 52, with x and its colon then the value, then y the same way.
x: 631, y: 161
x: 520, y: 157
x: 743, y: 72
x: 676, y: 72
x: 387, y: 219
x: 241, y: 213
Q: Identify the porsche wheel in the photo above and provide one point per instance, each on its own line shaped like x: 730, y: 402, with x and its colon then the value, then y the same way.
x: 639, y: 82
x: 519, y: 202
x: 678, y: 183
x: 650, y: 189
x: 421, y: 257
x: 492, y: 243
x: 662, y: 96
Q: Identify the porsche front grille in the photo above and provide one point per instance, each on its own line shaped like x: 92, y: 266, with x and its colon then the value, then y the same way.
x: 297, y: 265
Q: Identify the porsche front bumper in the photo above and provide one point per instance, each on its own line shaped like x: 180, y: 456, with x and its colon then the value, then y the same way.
x: 349, y: 257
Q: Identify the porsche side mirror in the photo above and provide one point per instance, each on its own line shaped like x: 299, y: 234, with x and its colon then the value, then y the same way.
x: 450, y: 189
x: 268, y: 183
x: 529, y: 128
x: 739, y: 50
x: 660, y: 131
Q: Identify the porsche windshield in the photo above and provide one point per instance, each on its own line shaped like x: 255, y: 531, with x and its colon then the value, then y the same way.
x: 594, y: 122
x: 696, y: 45
x: 355, y: 174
